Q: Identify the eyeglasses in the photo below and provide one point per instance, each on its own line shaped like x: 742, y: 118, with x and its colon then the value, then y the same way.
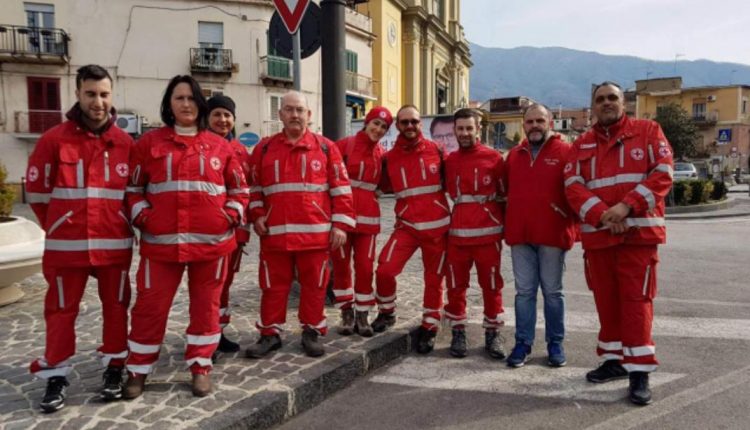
x: 610, y: 97
x: 408, y: 121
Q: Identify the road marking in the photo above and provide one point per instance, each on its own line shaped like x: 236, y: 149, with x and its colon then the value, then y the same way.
x: 671, y: 300
x: 474, y: 374
x: 668, y: 405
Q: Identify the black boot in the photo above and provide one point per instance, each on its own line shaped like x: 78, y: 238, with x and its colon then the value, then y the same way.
x: 383, y: 321
x: 425, y: 340
x: 112, y: 389
x: 638, y: 391
x: 226, y: 345
x: 347, y: 322
x: 54, y: 396
x: 610, y: 370
x: 361, y: 326
x: 264, y: 345
x: 311, y: 344
x: 493, y: 344
x: 458, y: 343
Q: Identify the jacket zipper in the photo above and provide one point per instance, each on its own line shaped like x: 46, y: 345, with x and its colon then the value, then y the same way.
x: 317, y: 206
x: 558, y: 210
x: 106, y: 166
x: 59, y: 222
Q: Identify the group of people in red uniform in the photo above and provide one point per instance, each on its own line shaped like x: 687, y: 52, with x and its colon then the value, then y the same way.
x: 194, y: 193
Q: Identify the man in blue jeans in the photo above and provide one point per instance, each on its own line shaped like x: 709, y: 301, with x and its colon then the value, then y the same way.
x: 540, y: 229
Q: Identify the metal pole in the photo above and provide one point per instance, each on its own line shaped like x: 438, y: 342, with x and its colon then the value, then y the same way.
x: 296, y: 61
x: 333, y: 32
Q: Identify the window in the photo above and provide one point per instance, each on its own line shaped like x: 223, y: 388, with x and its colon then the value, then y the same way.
x: 40, y: 15
x: 699, y: 110
x: 744, y: 105
x: 210, y: 34
x: 44, y: 103
x: 275, y: 107
x: 351, y: 61
x: 437, y: 8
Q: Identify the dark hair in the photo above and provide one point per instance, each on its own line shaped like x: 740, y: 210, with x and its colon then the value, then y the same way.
x: 167, y: 116
x: 91, y: 71
x: 606, y: 84
x: 409, y: 106
x: 464, y: 113
x: 440, y: 120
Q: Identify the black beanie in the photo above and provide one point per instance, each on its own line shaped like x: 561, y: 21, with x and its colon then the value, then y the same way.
x: 221, y: 101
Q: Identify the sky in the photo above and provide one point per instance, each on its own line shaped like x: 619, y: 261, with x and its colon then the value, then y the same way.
x: 717, y: 30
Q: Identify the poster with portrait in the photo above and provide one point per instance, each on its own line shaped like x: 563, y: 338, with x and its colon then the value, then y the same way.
x: 436, y: 128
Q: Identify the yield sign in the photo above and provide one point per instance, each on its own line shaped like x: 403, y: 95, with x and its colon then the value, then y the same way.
x: 291, y: 12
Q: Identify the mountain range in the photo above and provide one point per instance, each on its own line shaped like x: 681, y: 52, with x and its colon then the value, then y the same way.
x: 561, y: 76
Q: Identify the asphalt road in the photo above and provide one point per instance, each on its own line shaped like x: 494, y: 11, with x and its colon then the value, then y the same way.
x: 702, y: 332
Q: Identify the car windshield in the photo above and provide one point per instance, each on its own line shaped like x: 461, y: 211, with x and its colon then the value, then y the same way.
x: 684, y: 167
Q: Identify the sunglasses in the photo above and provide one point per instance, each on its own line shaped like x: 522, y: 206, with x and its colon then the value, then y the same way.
x: 408, y: 121
x: 610, y: 97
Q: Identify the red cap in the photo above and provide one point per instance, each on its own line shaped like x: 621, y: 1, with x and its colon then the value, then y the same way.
x: 381, y: 113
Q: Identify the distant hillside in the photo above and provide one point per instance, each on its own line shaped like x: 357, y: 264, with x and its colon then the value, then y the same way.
x: 564, y: 76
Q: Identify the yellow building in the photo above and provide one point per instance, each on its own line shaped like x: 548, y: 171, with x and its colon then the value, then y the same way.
x: 420, y: 56
x: 720, y: 113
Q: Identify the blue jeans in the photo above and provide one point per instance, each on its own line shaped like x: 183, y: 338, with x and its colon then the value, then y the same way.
x: 534, y: 265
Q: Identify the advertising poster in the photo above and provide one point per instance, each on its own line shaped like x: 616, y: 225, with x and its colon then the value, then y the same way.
x: 436, y: 128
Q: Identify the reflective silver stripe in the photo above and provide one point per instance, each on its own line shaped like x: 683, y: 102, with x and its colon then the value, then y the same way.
x: 622, y: 155
x: 239, y: 191
x: 121, y: 292
x: 81, y: 180
x: 299, y: 228
x: 268, y: 276
x: 453, y: 276
x: 340, y: 191
x: 645, y: 279
x: 587, y: 205
x: 147, y: 274
x: 371, y: 254
x: 256, y: 189
x: 442, y: 260
x: 344, y: 219
x: 593, y: 167
x: 203, y: 340
x: 441, y: 205
x: 370, y: 220
x: 428, y: 225
x: 191, y: 186
x: 361, y: 170
x: 236, y: 206
x: 390, y: 252
x: 610, y: 346
x: 573, y: 179
x: 60, y: 293
x: 202, y: 165
x: 639, y: 351
x: 475, y: 232
x: 276, y: 170
x: 651, y: 154
x: 87, y: 244
x: 136, y: 173
x: 179, y: 238
x: 138, y: 190
x: 364, y: 297
x: 647, y: 194
x: 476, y: 179
x: 137, y: 208
x: 294, y: 187
x: 322, y: 275
x: 630, y: 222
x: 492, y: 278
x: 317, y: 206
x: 304, y: 166
x: 47, y: 172
x: 666, y: 168
x: 578, y: 168
x: 219, y: 266
x: 630, y: 367
x: 60, y: 220
x: 424, y: 171
x: 168, y: 166
x: 140, y: 369
x: 87, y: 193
x: 256, y: 204
x: 38, y: 197
x: 471, y: 198
x: 403, y: 210
x: 364, y: 185
x: 417, y: 191
x: 106, y: 166
x: 336, y: 171
x: 341, y: 251
x: 403, y: 178
x: 431, y: 321
x: 623, y: 178
x: 492, y: 217
x: 141, y: 348
x: 237, y: 180
x: 201, y: 361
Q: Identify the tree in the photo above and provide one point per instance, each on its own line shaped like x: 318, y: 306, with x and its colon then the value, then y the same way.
x: 7, y: 195
x: 679, y: 129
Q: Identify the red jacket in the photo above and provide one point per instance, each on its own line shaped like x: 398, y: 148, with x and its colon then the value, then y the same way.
x: 536, y: 209
x: 76, y: 184
x: 629, y: 162
x: 473, y: 178
x: 242, y: 233
x: 186, y: 194
x: 302, y: 189
x: 413, y: 171
x: 362, y: 158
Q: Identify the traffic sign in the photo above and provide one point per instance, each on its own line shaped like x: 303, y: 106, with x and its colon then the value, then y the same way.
x: 309, y: 33
x: 725, y: 135
x: 291, y: 12
x: 249, y: 139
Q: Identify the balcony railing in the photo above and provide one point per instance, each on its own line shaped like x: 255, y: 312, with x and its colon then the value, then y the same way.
x: 359, y: 84
x: 276, y: 68
x: 36, y: 121
x: 210, y: 60
x: 706, y: 119
x: 33, y: 44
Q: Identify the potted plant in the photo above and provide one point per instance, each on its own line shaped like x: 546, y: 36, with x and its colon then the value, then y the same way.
x: 21, y: 245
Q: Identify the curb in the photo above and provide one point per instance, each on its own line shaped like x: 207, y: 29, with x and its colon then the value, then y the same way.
x: 708, y: 207
x: 306, y: 389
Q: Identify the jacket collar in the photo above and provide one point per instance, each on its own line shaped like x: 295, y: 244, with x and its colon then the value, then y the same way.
x: 409, y: 145
x: 75, y: 114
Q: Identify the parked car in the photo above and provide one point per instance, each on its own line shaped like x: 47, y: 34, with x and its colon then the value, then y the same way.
x: 684, y: 171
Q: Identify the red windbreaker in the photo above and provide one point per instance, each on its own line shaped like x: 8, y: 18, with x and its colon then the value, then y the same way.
x: 242, y: 233
x: 186, y: 194
x: 630, y: 162
x: 362, y: 158
x: 302, y: 189
x: 75, y: 184
x: 473, y: 178
x: 536, y: 209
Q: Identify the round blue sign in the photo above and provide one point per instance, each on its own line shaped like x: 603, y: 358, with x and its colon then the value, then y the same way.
x: 249, y: 139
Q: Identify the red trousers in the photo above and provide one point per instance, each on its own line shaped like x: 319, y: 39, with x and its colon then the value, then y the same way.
x: 486, y: 257
x: 66, y: 287
x: 623, y: 279
x: 363, y: 247
x: 276, y: 273
x: 157, y: 283
x: 234, y: 266
x: 394, y: 256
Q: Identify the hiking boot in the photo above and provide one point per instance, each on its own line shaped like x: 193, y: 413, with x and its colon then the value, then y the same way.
x: 346, y: 328
x: 555, y: 355
x: 112, y: 389
x: 638, y: 391
x: 226, y: 345
x: 361, y: 325
x: 311, y: 344
x: 135, y: 385
x: 493, y: 344
x: 54, y: 396
x: 458, y: 343
x: 263, y: 346
x: 610, y: 370
x: 382, y: 322
x: 520, y: 355
x: 202, y: 384
x: 425, y: 340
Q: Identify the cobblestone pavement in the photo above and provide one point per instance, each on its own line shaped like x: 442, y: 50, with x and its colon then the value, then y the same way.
x: 248, y: 394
